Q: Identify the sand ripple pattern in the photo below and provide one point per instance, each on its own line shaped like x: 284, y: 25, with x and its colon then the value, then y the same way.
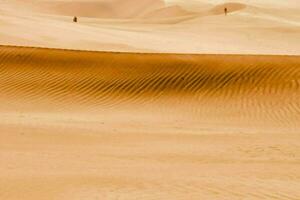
x: 204, y: 88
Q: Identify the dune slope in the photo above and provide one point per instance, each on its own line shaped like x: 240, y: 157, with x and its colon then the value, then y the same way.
x: 100, y: 125
x: 255, y: 27
x: 228, y: 89
x: 231, y: 7
x: 99, y: 9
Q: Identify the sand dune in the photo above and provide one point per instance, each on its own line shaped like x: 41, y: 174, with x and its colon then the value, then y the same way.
x: 102, y: 9
x: 231, y: 7
x: 84, y: 125
x: 168, y: 12
x: 258, y: 90
x: 172, y: 26
x: 149, y: 99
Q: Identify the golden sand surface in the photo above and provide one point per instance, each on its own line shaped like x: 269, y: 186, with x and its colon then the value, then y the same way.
x: 88, y: 125
x: 177, y: 26
x: 181, y: 102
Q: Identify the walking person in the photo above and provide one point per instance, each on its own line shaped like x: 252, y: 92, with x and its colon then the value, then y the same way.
x: 75, y: 19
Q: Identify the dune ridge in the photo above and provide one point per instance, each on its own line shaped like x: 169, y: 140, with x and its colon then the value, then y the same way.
x: 168, y: 12
x: 96, y: 9
x: 153, y: 26
x: 258, y: 90
x: 103, y: 125
x: 231, y: 7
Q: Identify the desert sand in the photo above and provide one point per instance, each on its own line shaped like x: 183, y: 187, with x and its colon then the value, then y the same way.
x: 189, y: 26
x: 92, y: 125
x: 149, y: 99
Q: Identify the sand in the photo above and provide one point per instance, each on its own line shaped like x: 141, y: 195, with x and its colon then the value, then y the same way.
x: 190, y: 26
x: 149, y: 99
x: 96, y: 125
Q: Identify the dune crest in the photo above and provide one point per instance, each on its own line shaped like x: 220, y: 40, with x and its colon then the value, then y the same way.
x: 231, y: 7
x: 198, y: 85
x: 153, y: 26
x: 98, y: 125
x: 99, y: 9
x: 168, y: 12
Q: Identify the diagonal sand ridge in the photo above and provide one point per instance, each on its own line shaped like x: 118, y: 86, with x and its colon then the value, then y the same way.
x: 100, y: 125
x: 258, y: 90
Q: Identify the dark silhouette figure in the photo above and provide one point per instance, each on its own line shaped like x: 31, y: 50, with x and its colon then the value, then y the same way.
x: 75, y: 19
x: 225, y: 11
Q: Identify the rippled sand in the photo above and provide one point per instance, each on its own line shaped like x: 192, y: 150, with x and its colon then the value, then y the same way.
x: 100, y: 125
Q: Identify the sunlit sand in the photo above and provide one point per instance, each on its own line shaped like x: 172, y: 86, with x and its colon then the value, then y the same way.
x: 255, y: 27
x: 146, y: 99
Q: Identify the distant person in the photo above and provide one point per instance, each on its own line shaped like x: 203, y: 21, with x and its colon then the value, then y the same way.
x: 225, y: 11
x: 75, y: 19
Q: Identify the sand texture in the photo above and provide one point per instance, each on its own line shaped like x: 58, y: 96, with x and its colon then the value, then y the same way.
x: 99, y: 125
x: 174, y: 26
x: 149, y: 100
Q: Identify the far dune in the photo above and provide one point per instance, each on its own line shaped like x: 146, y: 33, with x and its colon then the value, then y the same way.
x: 168, y: 12
x: 251, y: 27
x: 98, y: 9
x: 231, y: 7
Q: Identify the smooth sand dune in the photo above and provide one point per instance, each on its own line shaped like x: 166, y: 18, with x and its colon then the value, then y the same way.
x: 96, y: 125
x: 168, y: 12
x: 231, y: 7
x: 173, y: 26
x: 99, y: 9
